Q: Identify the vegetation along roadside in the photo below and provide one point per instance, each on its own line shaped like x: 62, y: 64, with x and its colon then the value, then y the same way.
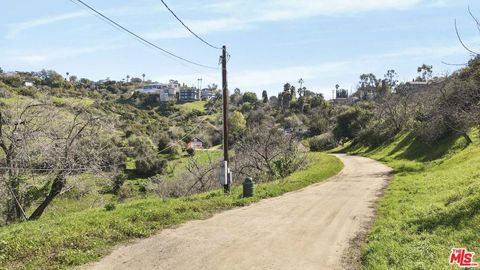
x: 80, y: 237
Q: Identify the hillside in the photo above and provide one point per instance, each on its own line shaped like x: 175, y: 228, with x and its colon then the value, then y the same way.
x: 430, y: 206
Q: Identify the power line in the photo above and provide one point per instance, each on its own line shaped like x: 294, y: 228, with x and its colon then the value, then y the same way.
x: 138, y: 37
x: 188, y: 28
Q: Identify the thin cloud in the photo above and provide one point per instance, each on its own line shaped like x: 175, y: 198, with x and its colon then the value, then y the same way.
x: 46, y: 55
x: 200, y: 27
x: 265, y: 77
x: 237, y: 15
x: 17, y: 28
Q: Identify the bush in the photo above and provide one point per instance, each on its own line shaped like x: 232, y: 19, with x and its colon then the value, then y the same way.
x: 110, y: 206
x: 13, y: 81
x: 4, y: 93
x: 117, y: 183
x: 430, y: 130
x: 323, y: 142
x: 191, y: 152
x: 375, y: 134
x: 27, y: 91
x: 318, y: 124
x: 149, y: 166
x: 350, y: 122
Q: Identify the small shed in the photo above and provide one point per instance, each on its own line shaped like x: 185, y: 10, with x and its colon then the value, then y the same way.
x: 196, y: 143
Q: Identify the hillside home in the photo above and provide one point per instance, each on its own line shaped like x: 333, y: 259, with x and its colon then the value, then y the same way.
x: 195, y: 143
x: 189, y: 94
x: 207, y: 94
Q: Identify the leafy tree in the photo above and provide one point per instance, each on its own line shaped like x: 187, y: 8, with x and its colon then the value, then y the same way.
x: 237, y: 122
x: 237, y: 125
x: 136, y: 80
x: 424, y: 73
x: 292, y: 122
x: 250, y: 97
x: 236, y: 97
x: 368, y: 85
x: 317, y: 100
x: 51, y: 78
x: 164, y: 142
x: 293, y: 93
x: 318, y: 124
x: 350, y: 123
x: 391, y: 78
x: 265, y: 96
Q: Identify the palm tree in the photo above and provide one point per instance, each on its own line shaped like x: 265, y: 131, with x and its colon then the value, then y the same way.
x: 301, y: 90
x: 67, y: 76
x: 128, y: 77
x: 143, y: 75
x: 301, y: 82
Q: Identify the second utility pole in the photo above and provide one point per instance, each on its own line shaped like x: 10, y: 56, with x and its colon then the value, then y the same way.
x: 228, y: 180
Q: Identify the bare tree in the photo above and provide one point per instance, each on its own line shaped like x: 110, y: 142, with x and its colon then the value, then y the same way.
x: 267, y: 153
x: 40, y: 139
x: 459, y: 104
x: 18, y: 130
x: 204, y: 175
x: 198, y: 177
x: 74, y: 149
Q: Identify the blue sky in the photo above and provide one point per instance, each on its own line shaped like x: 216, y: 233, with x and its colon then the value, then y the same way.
x: 271, y: 41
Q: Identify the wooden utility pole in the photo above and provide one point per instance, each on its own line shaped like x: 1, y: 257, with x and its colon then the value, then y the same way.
x: 227, y: 182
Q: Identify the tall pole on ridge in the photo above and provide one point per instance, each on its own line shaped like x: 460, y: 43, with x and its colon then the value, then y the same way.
x: 227, y: 182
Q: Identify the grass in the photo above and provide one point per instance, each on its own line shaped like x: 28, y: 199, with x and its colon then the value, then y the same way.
x: 431, y: 205
x: 190, y: 106
x: 176, y: 167
x: 68, y: 101
x: 78, y: 238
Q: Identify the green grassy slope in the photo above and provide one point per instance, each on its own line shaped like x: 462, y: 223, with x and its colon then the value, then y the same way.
x: 176, y: 167
x: 190, y: 106
x: 431, y: 206
x: 78, y: 238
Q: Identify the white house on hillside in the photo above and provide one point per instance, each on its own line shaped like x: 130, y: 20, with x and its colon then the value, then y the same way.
x: 167, y: 92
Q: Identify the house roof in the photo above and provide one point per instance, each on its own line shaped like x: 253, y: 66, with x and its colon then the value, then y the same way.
x: 198, y: 139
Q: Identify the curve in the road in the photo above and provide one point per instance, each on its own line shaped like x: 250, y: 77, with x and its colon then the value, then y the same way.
x: 307, y: 229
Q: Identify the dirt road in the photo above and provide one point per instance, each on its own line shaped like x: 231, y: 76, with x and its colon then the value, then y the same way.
x: 307, y: 229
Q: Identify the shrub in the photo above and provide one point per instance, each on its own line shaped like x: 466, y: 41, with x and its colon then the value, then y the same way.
x: 323, y: 142
x: 376, y: 133
x: 27, y: 91
x: 110, y: 206
x: 430, y: 130
x: 13, y: 81
x: 191, y: 152
x: 149, y: 166
x: 318, y: 124
x: 117, y: 183
x: 4, y: 93
x: 350, y: 122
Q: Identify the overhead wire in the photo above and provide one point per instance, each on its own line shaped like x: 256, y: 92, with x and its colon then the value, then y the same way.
x: 188, y: 28
x: 140, y: 38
